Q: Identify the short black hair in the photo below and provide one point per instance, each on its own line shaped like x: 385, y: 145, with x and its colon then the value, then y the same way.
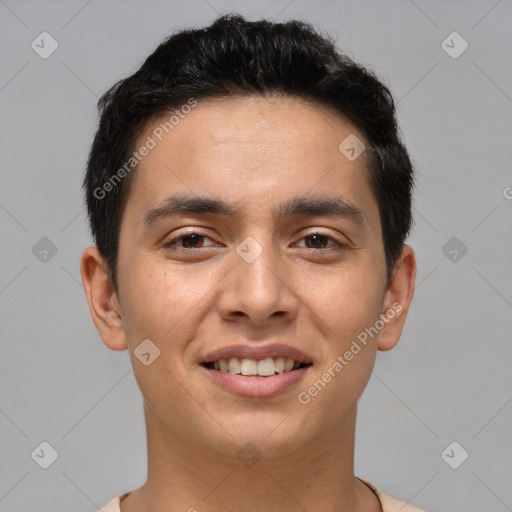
x: 235, y: 57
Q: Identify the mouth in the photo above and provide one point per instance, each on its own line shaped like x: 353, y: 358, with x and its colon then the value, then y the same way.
x: 249, y: 367
x: 257, y: 371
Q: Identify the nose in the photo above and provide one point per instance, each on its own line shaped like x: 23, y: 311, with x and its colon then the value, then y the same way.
x: 260, y: 292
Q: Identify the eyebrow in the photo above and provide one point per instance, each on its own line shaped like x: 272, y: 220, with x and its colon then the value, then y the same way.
x: 300, y: 205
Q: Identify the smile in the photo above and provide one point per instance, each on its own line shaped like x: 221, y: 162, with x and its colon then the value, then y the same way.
x: 252, y: 367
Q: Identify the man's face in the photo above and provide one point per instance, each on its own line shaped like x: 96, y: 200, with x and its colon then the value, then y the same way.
x: 309, y: 281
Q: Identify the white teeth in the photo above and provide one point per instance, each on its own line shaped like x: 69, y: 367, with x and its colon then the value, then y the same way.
x: 234, y: 365
x: 249, y: 367
x: 264, y: 367
x: 280, y: 363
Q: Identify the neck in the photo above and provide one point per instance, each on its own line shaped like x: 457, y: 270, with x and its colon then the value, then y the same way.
x: 186, y: 476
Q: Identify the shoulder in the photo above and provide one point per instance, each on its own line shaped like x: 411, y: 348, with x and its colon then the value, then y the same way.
x: 388, y: 503
x: 114, y: 504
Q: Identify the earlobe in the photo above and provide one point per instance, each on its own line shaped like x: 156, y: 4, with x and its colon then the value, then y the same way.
x: 103, y: 304
x: 397, y: 299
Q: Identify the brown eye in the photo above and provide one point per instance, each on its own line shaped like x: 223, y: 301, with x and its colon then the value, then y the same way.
x: 321, y: 244
x: 317, y: 241
x: 190, y: 241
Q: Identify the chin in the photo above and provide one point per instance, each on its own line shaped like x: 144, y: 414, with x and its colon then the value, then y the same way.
x: 273, y: 433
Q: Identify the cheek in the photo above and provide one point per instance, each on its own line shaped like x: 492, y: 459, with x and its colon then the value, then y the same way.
x: 346, y: 307
x: 150, y: 302
x: 345, y: 300
x: 163, y: 300
x: 355, y: 308
x: 161, y: 304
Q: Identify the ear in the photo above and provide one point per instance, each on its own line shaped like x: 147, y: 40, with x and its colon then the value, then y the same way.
x: 103, y: 304
x: 397, y: 299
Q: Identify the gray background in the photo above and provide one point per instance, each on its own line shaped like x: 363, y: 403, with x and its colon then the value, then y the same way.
x: 449, y: 378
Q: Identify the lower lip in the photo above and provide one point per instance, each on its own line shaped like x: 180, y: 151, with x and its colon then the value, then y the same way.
x: 255, y: 386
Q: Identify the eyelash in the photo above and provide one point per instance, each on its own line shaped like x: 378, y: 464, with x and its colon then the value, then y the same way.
x: 172, y: 244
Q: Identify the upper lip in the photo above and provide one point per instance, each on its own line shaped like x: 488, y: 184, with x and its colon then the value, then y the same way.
x: 257, y: 352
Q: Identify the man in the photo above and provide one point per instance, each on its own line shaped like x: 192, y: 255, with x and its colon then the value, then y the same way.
x: 249, y: 197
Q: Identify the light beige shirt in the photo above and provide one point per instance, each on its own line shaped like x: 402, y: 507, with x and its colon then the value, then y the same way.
x: 387, y: 503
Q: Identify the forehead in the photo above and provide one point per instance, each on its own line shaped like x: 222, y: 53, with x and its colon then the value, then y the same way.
x: 251, y: 150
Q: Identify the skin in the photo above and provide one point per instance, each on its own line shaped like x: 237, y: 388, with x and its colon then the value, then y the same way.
x: 255, y: 152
